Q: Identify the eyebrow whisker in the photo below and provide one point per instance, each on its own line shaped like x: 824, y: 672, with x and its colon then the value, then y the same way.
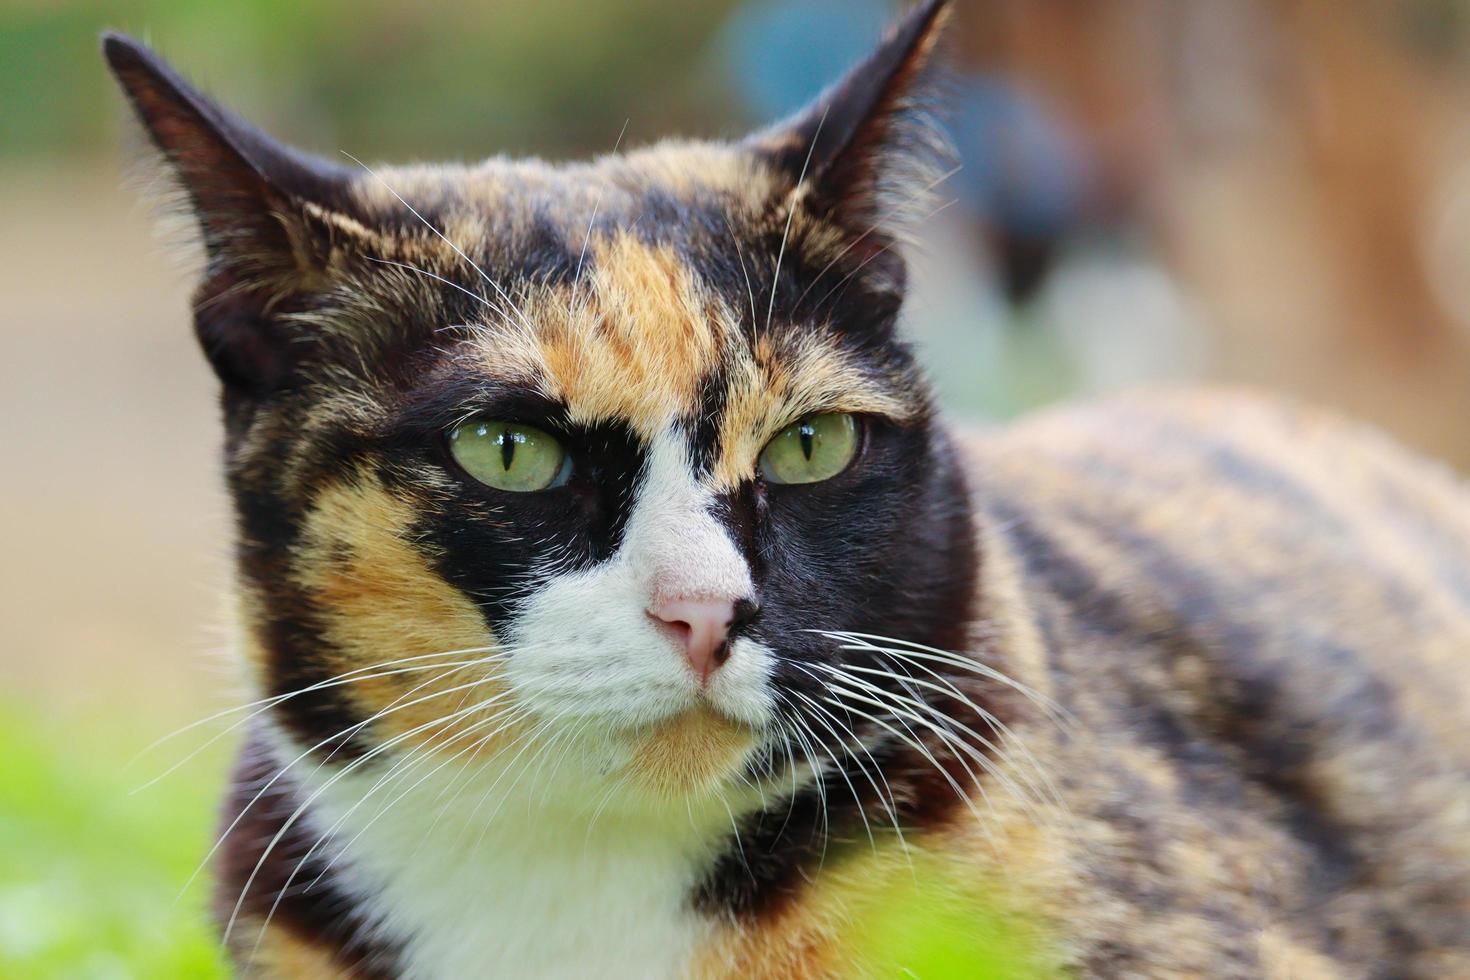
x: 437, y: 278
x: 793, y: 198
x: 447, y: 240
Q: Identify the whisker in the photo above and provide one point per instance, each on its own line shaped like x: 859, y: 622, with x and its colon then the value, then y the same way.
x: 399, y: 771
x: 304, y: 806
x: 877, y: 253
x: 870, y: 641
x: 794, y: 198
x: 951, y: 738
x: 802, y: 732
x: 740, y: 254
x: 889, y: 802
x: 276, y: 698
x: 791, y: 765
x: 572, y: 737
x: 530, y: 740
x: 948, y: 689
x: 597, y: 205
x: 350, y: 732
x: 437, y: 278
x: 928, y: 755
x: 888, y: 214
x: 735, y: 835
x: 842, y: 771
x: 900, y: 708
x: 445, y: 238
x: 271, y: 702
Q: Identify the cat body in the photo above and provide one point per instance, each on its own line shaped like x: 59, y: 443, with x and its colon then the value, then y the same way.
x: 1256, y: 617
x: 622, y: 606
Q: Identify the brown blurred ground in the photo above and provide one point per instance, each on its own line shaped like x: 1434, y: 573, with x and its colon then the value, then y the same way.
x: 110, y: 509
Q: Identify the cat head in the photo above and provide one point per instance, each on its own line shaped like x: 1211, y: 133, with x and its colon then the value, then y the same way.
x: 622, y: 447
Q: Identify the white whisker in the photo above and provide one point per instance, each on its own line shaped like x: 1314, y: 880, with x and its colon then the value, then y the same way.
x: 793, y: 199
x: 445, y: 238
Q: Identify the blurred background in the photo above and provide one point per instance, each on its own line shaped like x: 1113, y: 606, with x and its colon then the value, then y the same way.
x: 1274, y: 192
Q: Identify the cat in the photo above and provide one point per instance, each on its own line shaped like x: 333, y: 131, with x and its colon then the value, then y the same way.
x: 621, y: 605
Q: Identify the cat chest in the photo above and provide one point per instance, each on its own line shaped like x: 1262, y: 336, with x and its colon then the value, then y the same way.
x: 523, y: 894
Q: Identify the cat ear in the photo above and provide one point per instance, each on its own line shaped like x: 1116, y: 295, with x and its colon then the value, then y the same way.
x: 859, y: 148
x: 252, y: 200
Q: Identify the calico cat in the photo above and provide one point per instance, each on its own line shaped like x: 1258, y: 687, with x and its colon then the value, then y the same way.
x: 621, y: 606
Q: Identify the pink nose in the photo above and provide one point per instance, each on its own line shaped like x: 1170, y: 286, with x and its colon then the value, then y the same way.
x: 701, y: 625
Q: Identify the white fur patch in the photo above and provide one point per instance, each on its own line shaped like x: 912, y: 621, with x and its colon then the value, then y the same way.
x: 521, y: 871
x: 539, y: 862
x: 592, y: 648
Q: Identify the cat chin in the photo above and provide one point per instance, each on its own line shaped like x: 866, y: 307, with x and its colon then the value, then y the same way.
x: 687, y: 742
x: 693, y: 753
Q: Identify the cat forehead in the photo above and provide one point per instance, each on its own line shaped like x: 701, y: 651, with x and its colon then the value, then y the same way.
x: 644, y: 338
x: 640, y: 339
x: 724, y: 211
x: 501, y: 197
x: 635, y: 289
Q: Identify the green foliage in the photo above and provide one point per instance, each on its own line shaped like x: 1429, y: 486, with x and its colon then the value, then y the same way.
x: 378, y: 77
x: 932, y: 925
x: 89, y: 874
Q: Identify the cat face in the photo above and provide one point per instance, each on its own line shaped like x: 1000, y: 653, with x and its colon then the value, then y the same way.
x: 621, y: 448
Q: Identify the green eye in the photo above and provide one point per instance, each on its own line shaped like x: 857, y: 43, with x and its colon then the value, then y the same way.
x: 814, y: 449
x: 509, y: 455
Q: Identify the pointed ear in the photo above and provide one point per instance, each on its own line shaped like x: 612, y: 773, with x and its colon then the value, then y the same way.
x: 858, y: 149
x: 250, y: 197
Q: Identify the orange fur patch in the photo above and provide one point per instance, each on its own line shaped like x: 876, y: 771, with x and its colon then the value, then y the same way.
x: 381, y: 603
x: 282, y: 955
x: 780, y: 383
x: 636, y: 342
x: 639, y: 341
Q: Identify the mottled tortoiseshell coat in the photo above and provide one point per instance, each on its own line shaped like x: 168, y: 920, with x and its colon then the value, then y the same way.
x: 1258, y: 619
x: 1228, y: 736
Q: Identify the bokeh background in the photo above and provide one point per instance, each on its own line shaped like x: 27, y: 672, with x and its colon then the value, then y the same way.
x: 1274, y: 192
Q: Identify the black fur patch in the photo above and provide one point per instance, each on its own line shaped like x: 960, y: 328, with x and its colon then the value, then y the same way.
x: 871, y: 551
x: 312, y: 908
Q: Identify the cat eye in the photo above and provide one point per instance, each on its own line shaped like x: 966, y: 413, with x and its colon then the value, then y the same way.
x: 509, y: 456
x: 810, y: 450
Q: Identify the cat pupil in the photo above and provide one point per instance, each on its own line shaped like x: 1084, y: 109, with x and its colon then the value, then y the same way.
x: 508, y: 442
x: 808, y: 439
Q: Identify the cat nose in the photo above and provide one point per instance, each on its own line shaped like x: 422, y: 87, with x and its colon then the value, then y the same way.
x: 701, y: 626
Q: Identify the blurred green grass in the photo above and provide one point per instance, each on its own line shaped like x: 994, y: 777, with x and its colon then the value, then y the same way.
x: 91, y: 869
x: 943, y: 923
x: 90, y: 872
